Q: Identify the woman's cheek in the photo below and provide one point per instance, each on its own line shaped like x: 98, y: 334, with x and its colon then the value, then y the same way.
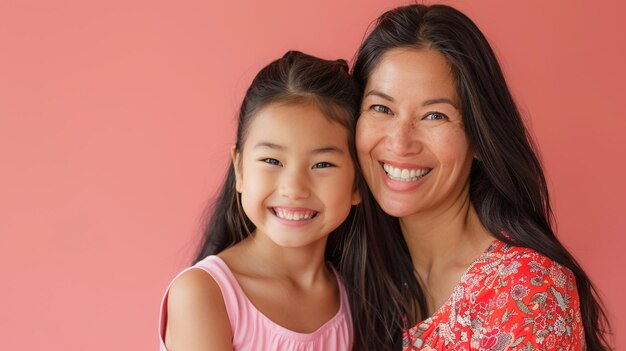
x: 365, y: 135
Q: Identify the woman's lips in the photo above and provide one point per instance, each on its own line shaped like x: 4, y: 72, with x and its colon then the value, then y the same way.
x: 403, y: 177
x: 405, y: 174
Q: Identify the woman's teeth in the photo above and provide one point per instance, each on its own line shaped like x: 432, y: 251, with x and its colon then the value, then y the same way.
x: 404, y: 175
x: 294, y: 215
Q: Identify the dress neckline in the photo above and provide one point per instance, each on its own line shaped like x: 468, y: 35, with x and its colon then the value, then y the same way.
x: 491, y: 248
x: 337, y: 317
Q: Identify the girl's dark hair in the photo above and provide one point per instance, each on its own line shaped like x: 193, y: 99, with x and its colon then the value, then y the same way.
x: 294, y: 78
x: 507, y: 184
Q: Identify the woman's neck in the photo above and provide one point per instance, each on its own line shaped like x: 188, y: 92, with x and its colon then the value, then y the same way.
x: 454, y: 235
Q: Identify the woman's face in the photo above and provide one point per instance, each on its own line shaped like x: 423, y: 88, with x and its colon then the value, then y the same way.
x: 411, y: 141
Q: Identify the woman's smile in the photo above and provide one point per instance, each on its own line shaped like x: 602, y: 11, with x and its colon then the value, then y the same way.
x: 408, y: 174
x: 411, y: 141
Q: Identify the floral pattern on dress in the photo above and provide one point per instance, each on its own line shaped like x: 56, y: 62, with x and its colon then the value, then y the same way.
x: 510, y: 298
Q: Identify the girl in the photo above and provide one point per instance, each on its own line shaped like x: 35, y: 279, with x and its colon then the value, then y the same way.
x: 470, y: 260
x: 262, y: 281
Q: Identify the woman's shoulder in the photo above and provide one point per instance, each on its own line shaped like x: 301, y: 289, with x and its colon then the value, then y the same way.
x: 511, y: 298
x: 526, y: 266
x: 533, y: 299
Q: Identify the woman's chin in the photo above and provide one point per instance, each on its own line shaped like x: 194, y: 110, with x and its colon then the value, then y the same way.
x: 395, y: 206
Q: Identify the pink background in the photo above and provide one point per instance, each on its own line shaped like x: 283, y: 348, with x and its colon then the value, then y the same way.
x: 116, y: 118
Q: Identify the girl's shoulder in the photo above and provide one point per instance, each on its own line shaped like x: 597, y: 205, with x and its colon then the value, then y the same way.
x: 193, y: 309
x: 206, y: 277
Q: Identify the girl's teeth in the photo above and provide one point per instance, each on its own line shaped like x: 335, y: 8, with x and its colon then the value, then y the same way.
x: 293, y: 215
x: 405, y: 175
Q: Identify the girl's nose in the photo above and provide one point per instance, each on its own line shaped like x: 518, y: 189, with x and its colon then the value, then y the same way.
x: 294, y: 185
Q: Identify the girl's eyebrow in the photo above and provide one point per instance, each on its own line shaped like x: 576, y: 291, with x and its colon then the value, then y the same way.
x: 266, y: 144
x: 321, y: 150
x: 327, y: 149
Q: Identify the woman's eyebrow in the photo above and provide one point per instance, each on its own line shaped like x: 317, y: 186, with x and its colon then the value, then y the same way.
x: 425, y: 103
x: 379, y: 94
x: 440, y: 101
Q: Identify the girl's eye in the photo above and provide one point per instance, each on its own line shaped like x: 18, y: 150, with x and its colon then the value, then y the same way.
x: 272, y: 161
x: 381, y: 108
x: 322, y: 165
x: 433, y: 116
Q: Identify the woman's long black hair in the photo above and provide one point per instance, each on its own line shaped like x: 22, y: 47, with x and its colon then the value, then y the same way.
x: 294, y: 78
x: 507, y: 185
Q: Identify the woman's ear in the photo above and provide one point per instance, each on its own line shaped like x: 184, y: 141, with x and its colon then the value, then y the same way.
x: 476, y: 157
x: 235, y: 155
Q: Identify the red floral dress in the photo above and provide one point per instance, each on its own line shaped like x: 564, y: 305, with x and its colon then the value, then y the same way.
x: 510, y: 298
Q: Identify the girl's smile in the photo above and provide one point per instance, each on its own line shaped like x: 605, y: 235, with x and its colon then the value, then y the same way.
x: 295, y: 214
x: 294, y: 217
x: 295, y: 174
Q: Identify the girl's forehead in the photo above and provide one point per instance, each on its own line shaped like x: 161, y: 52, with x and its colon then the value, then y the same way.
x: 294, y: 125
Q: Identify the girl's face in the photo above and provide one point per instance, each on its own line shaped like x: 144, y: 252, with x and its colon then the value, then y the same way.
x: 295, y: 174
x: 411, y: 142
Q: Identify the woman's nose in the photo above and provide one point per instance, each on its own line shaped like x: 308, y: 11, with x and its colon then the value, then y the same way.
x: 402, y: 138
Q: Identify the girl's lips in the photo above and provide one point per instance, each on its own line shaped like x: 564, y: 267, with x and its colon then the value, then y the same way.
x: 294, y: 217
x: 294, y: 214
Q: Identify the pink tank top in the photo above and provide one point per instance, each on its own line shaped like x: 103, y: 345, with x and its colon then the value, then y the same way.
x: 252, y: 330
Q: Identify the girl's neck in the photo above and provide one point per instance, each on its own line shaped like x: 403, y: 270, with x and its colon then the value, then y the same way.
x: 303, y: 266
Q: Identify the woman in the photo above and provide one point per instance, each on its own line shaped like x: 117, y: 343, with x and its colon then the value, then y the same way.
x: 470, y: 260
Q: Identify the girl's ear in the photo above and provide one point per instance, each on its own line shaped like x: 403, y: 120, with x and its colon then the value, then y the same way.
x: 356, y: 196
x: 235, y: 157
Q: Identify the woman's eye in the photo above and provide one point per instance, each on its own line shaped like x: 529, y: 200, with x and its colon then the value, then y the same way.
x: 272, y: 161
x: 381, y: 109
x: 433, y: 116
x: 322, y: 165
